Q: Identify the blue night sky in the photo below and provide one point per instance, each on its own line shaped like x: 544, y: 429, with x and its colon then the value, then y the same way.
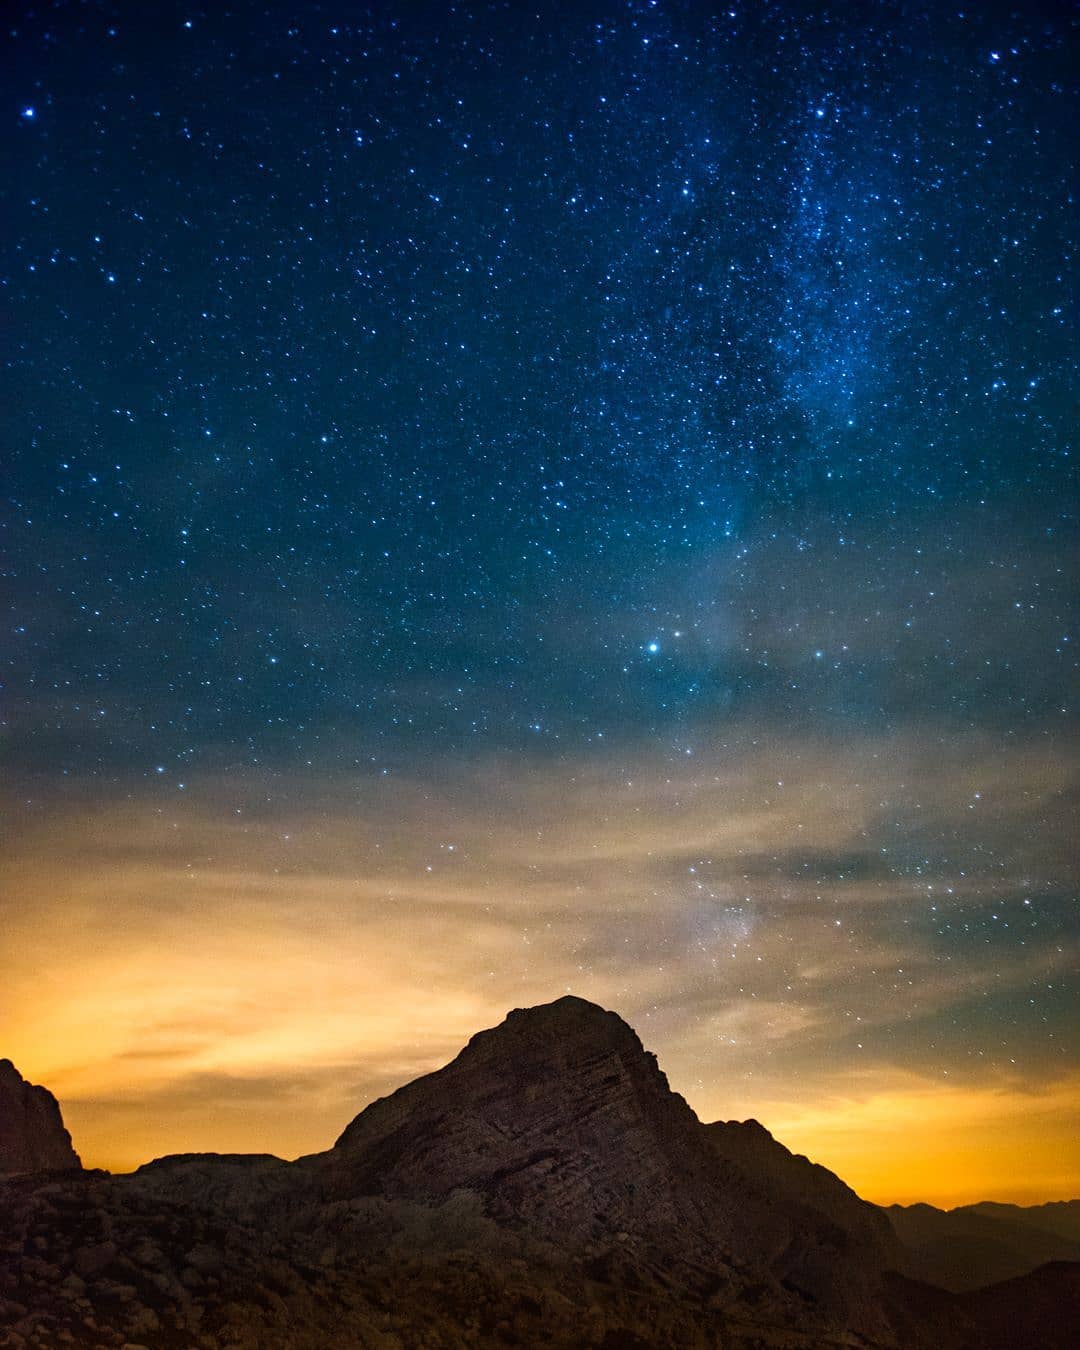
x: 508, y: 498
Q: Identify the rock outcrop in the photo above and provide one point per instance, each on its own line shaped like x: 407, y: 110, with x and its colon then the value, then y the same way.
x: 564, y: 1124
x: 32, y: 1133
x: 792, y: 1179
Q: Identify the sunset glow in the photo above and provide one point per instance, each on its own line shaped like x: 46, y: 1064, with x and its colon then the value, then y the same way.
x: 504, y: 501
x: 213, y: 961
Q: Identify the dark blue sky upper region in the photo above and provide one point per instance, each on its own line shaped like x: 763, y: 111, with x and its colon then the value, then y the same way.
x: 403, y: 398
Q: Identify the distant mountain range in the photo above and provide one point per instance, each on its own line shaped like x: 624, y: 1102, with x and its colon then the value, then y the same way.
x: 545, y: 1188
x: 976, y: 1245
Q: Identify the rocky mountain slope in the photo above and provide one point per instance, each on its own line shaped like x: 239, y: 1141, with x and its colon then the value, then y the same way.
x: 790, y: 1178
x: 545, y: 1188
x: 566, y: 1126
x: 32, y: 1134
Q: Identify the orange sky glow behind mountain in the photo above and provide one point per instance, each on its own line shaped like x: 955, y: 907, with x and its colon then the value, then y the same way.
x: 229, y: 973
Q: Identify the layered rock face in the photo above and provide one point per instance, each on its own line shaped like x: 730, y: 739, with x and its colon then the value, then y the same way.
x: 557, y: 1116
x: 564, y: 1124
x: 32, y: 1134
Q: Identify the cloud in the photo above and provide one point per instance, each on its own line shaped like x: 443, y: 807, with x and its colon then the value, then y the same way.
x: 779, y: 919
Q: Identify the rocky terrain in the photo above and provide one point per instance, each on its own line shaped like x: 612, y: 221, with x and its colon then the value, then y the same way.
x: 562, y: 1122
x: 545, y: 1188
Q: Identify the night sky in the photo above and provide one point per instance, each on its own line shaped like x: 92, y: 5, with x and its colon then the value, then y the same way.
x: 503, y: 499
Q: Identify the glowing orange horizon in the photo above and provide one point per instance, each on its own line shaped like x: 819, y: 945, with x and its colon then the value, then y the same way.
x: 877, y: 1144
x: 221, y: 975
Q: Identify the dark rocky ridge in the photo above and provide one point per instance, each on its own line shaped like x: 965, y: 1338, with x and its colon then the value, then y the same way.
x: 791, y: 1178
x: 545, y: 1188
x: 563, y: 1122
x: 32, y: 1133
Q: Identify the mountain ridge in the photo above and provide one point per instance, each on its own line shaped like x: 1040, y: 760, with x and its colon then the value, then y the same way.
x: 546, y: 1186
x: 563, y: 1121
x: 973, y: 1246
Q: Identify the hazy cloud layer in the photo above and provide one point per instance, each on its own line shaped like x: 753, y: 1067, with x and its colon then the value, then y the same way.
x: 800, y: 931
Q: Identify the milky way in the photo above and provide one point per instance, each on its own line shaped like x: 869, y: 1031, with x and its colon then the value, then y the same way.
x: 508, y: 499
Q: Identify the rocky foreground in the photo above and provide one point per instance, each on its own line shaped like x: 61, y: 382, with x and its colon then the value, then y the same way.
x: 545, y: 1188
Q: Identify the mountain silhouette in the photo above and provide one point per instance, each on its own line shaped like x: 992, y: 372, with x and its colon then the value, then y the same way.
x: 1061, y: 1217
x: 546, y: 1187
x: 565, y: 1124
x: 32, y: 1134
x: 976, y: 1245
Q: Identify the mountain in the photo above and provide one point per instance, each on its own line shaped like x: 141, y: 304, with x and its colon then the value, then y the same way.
x: 791, y: 1178
x: 1041, y: 1308
x: 1058, y: 1216
x: 566, y: 1126
x: 1036, y: 1311
x: 32, y: 1133
x: 544, y: 1188
x: 977, y: 1245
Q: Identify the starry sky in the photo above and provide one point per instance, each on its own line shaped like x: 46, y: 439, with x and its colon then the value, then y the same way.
x: 504, y: 499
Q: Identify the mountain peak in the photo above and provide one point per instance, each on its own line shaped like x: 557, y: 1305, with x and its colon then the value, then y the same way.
x: 567, y: 1048
x: 562, y: 1060
x: 32, y: 1134
x: 560, y: 1122
x: 565, y: 1020
x: 567, y: 1008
